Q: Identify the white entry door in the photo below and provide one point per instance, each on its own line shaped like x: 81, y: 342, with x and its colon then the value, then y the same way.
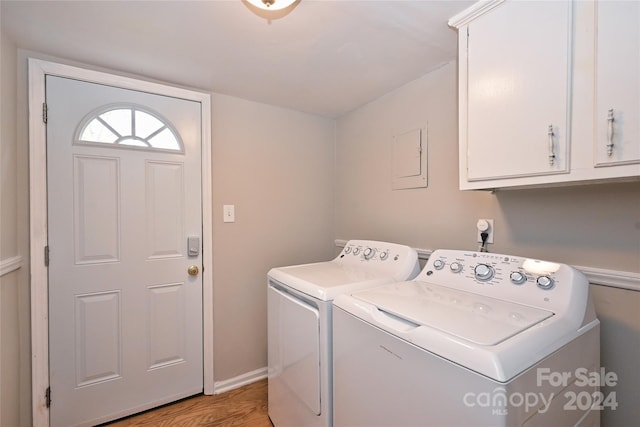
x: 125, y: 226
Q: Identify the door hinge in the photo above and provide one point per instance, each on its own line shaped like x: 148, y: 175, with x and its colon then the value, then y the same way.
x: 47, y: 397
x: 46, y: 256
x: 45, y: 112
x: 467, y: 38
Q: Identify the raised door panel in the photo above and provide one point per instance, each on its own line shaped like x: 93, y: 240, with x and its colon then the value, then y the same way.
x: 617, y: 113
x: 518, y: 65
x: 166, y: 323
x: 98, y: 338
x: 96, y: 202
x: 165, y: 209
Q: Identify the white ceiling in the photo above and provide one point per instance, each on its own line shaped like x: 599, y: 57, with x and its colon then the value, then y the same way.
x: 324, y: 57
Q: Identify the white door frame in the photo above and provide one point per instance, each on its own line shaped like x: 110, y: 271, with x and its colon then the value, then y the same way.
x: 38, y: 218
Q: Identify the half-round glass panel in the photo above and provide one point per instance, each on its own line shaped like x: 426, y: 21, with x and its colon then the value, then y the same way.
x: 129, y: 126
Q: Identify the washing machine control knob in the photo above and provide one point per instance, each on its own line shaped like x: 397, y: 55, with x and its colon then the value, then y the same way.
x: 369, y: 253
x: 517, y: 277
x: 545, y: 282
x: 384, y: 255
x: 456, y: 267
x: 483, y: 272
x: 438, y: 264
x: 356, y: 251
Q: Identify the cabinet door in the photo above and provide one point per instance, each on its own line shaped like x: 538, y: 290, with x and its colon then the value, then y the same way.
x: 518, y: 90
x: 617, y: 110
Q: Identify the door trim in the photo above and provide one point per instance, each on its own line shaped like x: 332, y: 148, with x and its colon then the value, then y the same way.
x: 38, y: 217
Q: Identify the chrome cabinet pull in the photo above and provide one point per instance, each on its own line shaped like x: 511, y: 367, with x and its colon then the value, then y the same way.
x: 610, y: 132
x: 552, y: 153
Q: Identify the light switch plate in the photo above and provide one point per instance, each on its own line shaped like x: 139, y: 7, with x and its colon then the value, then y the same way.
x: 229, y: 213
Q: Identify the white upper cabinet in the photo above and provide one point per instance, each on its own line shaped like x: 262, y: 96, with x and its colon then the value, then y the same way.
x: 518, y: 69
x: 617, y: 116
x: 534, y: 80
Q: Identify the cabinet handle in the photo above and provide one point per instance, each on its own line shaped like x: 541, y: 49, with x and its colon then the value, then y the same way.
x: 552, y: 153
x: 610, y: 132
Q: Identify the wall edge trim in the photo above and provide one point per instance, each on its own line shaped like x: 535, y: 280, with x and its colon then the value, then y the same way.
x: 612, y: 278
x: 10, y: 264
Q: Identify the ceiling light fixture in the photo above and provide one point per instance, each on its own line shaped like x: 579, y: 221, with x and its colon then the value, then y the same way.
x: 272, y: 4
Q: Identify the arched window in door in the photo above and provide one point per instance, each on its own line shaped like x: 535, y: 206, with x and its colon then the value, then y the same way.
x: 129, y: 126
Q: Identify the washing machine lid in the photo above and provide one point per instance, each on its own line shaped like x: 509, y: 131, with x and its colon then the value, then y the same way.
x: 326, y: 280
x: 475, y: 318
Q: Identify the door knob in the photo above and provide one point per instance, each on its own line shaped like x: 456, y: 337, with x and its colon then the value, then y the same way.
x: 193, y: 270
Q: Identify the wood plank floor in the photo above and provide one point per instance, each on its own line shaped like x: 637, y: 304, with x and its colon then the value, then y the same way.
x: 244, y: 406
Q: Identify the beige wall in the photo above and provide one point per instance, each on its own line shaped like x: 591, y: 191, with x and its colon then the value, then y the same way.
x: 276, y: 167
x: 590, y: 226
x: 14, y: 294
x: 8, y: 155
x: 366, y: 207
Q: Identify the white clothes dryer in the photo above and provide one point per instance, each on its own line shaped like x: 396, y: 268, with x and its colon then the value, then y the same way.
x: 477, y: 339
x: 299, y: 324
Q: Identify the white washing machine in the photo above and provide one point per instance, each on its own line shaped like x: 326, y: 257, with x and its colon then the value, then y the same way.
x: 299, y: 324
x: 477, y: 339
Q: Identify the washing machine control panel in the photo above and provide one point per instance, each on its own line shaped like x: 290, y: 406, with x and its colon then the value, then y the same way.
x: 512, y: 278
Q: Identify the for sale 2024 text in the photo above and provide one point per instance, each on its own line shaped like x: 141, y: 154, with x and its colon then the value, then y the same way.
x: 582, y: 400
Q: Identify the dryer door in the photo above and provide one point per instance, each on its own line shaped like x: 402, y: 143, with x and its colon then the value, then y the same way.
x: 294, y: 349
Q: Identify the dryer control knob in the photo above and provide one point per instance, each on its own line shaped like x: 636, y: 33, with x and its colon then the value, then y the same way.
x: 517, y: 277
x: 456, y: 267
x: 545, y: 282
x: 369, y: 253
x: 483, y: 272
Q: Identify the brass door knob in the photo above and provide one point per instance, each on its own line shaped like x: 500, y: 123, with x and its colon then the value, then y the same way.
x: 193, y: 270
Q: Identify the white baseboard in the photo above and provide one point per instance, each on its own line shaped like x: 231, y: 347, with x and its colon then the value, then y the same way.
x: 239, y: 381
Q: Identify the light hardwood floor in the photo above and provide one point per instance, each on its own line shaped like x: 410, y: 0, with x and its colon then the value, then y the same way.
x: 244, y: 406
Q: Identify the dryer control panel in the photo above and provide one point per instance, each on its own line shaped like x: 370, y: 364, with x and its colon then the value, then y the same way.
x: 399, y: 261
x: 552, y: 286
